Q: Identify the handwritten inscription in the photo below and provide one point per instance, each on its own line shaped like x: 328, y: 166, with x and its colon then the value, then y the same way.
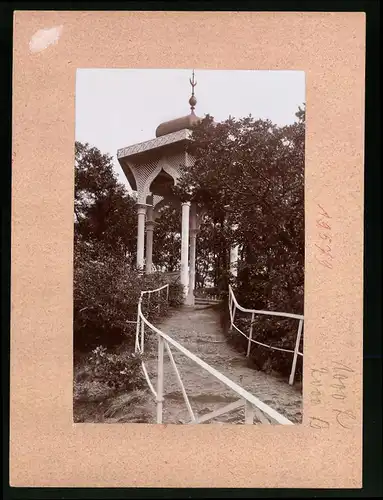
x: 341, y: 373
x: 329, y: 387
x: 318, y: 423
x: 316, y: 392
x: 324, y: 248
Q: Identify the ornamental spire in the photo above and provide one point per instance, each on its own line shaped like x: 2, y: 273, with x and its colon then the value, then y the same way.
x: 192, y: 100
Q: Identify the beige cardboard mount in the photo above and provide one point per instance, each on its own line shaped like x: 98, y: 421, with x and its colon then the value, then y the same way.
x: 46, y: 448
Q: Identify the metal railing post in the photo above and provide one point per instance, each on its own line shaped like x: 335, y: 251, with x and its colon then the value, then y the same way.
x: 296, y: 349
x: 249, y: 413
x: 185, y: 396
x: 233, y: 316
x: 160, y: 379
x: 232, y: 309
x: 137, y: 344
x: 250, y: 335
x: 142, y: 335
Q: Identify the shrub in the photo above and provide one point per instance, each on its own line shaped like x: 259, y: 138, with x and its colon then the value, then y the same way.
x: 109, y: 385
x: 273, y: 331
x: 119, y: 372
x: 106, y: 293
x: 207, y: 292
x: 135, y: 407
x: 176, y: 294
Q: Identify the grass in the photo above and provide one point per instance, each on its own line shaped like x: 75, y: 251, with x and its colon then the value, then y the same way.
x: 96, y: 402
x: 135, y: 407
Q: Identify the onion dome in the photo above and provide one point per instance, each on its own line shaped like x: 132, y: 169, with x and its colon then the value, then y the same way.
x: 185, y: 122
x: 177, y: 124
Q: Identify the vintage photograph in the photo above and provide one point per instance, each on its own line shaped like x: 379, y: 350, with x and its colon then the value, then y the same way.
x: 189, y: 246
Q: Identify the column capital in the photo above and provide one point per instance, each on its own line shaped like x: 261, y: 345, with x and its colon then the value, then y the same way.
x: 186, y: 203
x: 194, y: 231
x: 141, y: 208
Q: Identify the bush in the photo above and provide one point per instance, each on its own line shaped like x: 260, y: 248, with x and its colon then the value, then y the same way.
x: 135, y: 407
x: 102, y: 374
x: 176, y: 294
x: 207, y: 292
x: 106, y: 294
x: 108, y: 386
x: 277, y: 332
x: 120, y: 372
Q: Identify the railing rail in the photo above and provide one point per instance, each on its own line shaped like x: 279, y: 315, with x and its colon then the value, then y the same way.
x: 234, y: 305
x: 253, y: 405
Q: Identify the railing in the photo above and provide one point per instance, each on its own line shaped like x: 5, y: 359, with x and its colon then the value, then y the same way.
x: 254, y: 407
x: 140, y: 327
x: 233, y: 306
x: 207, y: 293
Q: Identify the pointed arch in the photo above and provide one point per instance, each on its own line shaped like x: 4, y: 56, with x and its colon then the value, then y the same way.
x: 163, y: 164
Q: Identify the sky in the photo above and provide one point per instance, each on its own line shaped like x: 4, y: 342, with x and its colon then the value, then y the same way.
x: 116, y: 108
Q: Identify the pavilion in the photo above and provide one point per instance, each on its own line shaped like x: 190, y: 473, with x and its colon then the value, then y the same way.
x: 152, y: 168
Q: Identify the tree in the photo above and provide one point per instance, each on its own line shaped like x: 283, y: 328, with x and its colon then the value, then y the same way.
x: 167, y: 239
x: 104, y: 244
x: 104, y: 211
x: 250, y: 175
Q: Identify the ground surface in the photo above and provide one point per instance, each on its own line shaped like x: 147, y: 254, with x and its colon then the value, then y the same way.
x: 198, y: 330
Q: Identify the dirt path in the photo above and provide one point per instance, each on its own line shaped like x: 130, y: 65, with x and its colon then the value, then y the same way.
x: 198, y: 330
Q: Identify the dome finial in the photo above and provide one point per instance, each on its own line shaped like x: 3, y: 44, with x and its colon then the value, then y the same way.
x: 192, y: 100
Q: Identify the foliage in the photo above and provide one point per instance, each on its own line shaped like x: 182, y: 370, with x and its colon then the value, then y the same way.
x: 133, y: 407
x: 212, y: 259
x: 211, y: 240
x: 103, y: 394
x: 107, y: 289
x: 273, y: 331
x: 167, y: 239
x: 120, y: 372
x: 176, y: 294
x: 104, y: 211
x: 106, y: 293
x: 249, y: 174
x: 106, y: 284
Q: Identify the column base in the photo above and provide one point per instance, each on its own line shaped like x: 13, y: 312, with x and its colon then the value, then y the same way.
x: 190, y: 299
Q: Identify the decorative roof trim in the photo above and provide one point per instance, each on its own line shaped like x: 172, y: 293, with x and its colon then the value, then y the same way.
x: 154, y: 143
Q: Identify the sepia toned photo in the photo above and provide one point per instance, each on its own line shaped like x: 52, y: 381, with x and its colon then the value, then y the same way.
x: 189, y: 246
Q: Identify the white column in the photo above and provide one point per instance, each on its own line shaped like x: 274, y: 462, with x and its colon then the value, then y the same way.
x: 149, y: 247
x: 193, y: 240
x: 193, y: 236
x: 141, y: 211
x: 149, y: 240
x: 234, y: 250
x: 185, y: 247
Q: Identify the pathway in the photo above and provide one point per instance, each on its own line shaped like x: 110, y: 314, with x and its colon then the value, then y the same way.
x: 198, y: 330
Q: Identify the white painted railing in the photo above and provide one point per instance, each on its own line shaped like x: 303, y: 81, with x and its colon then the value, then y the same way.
x: 233, y: 306
x: 254, y: 407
